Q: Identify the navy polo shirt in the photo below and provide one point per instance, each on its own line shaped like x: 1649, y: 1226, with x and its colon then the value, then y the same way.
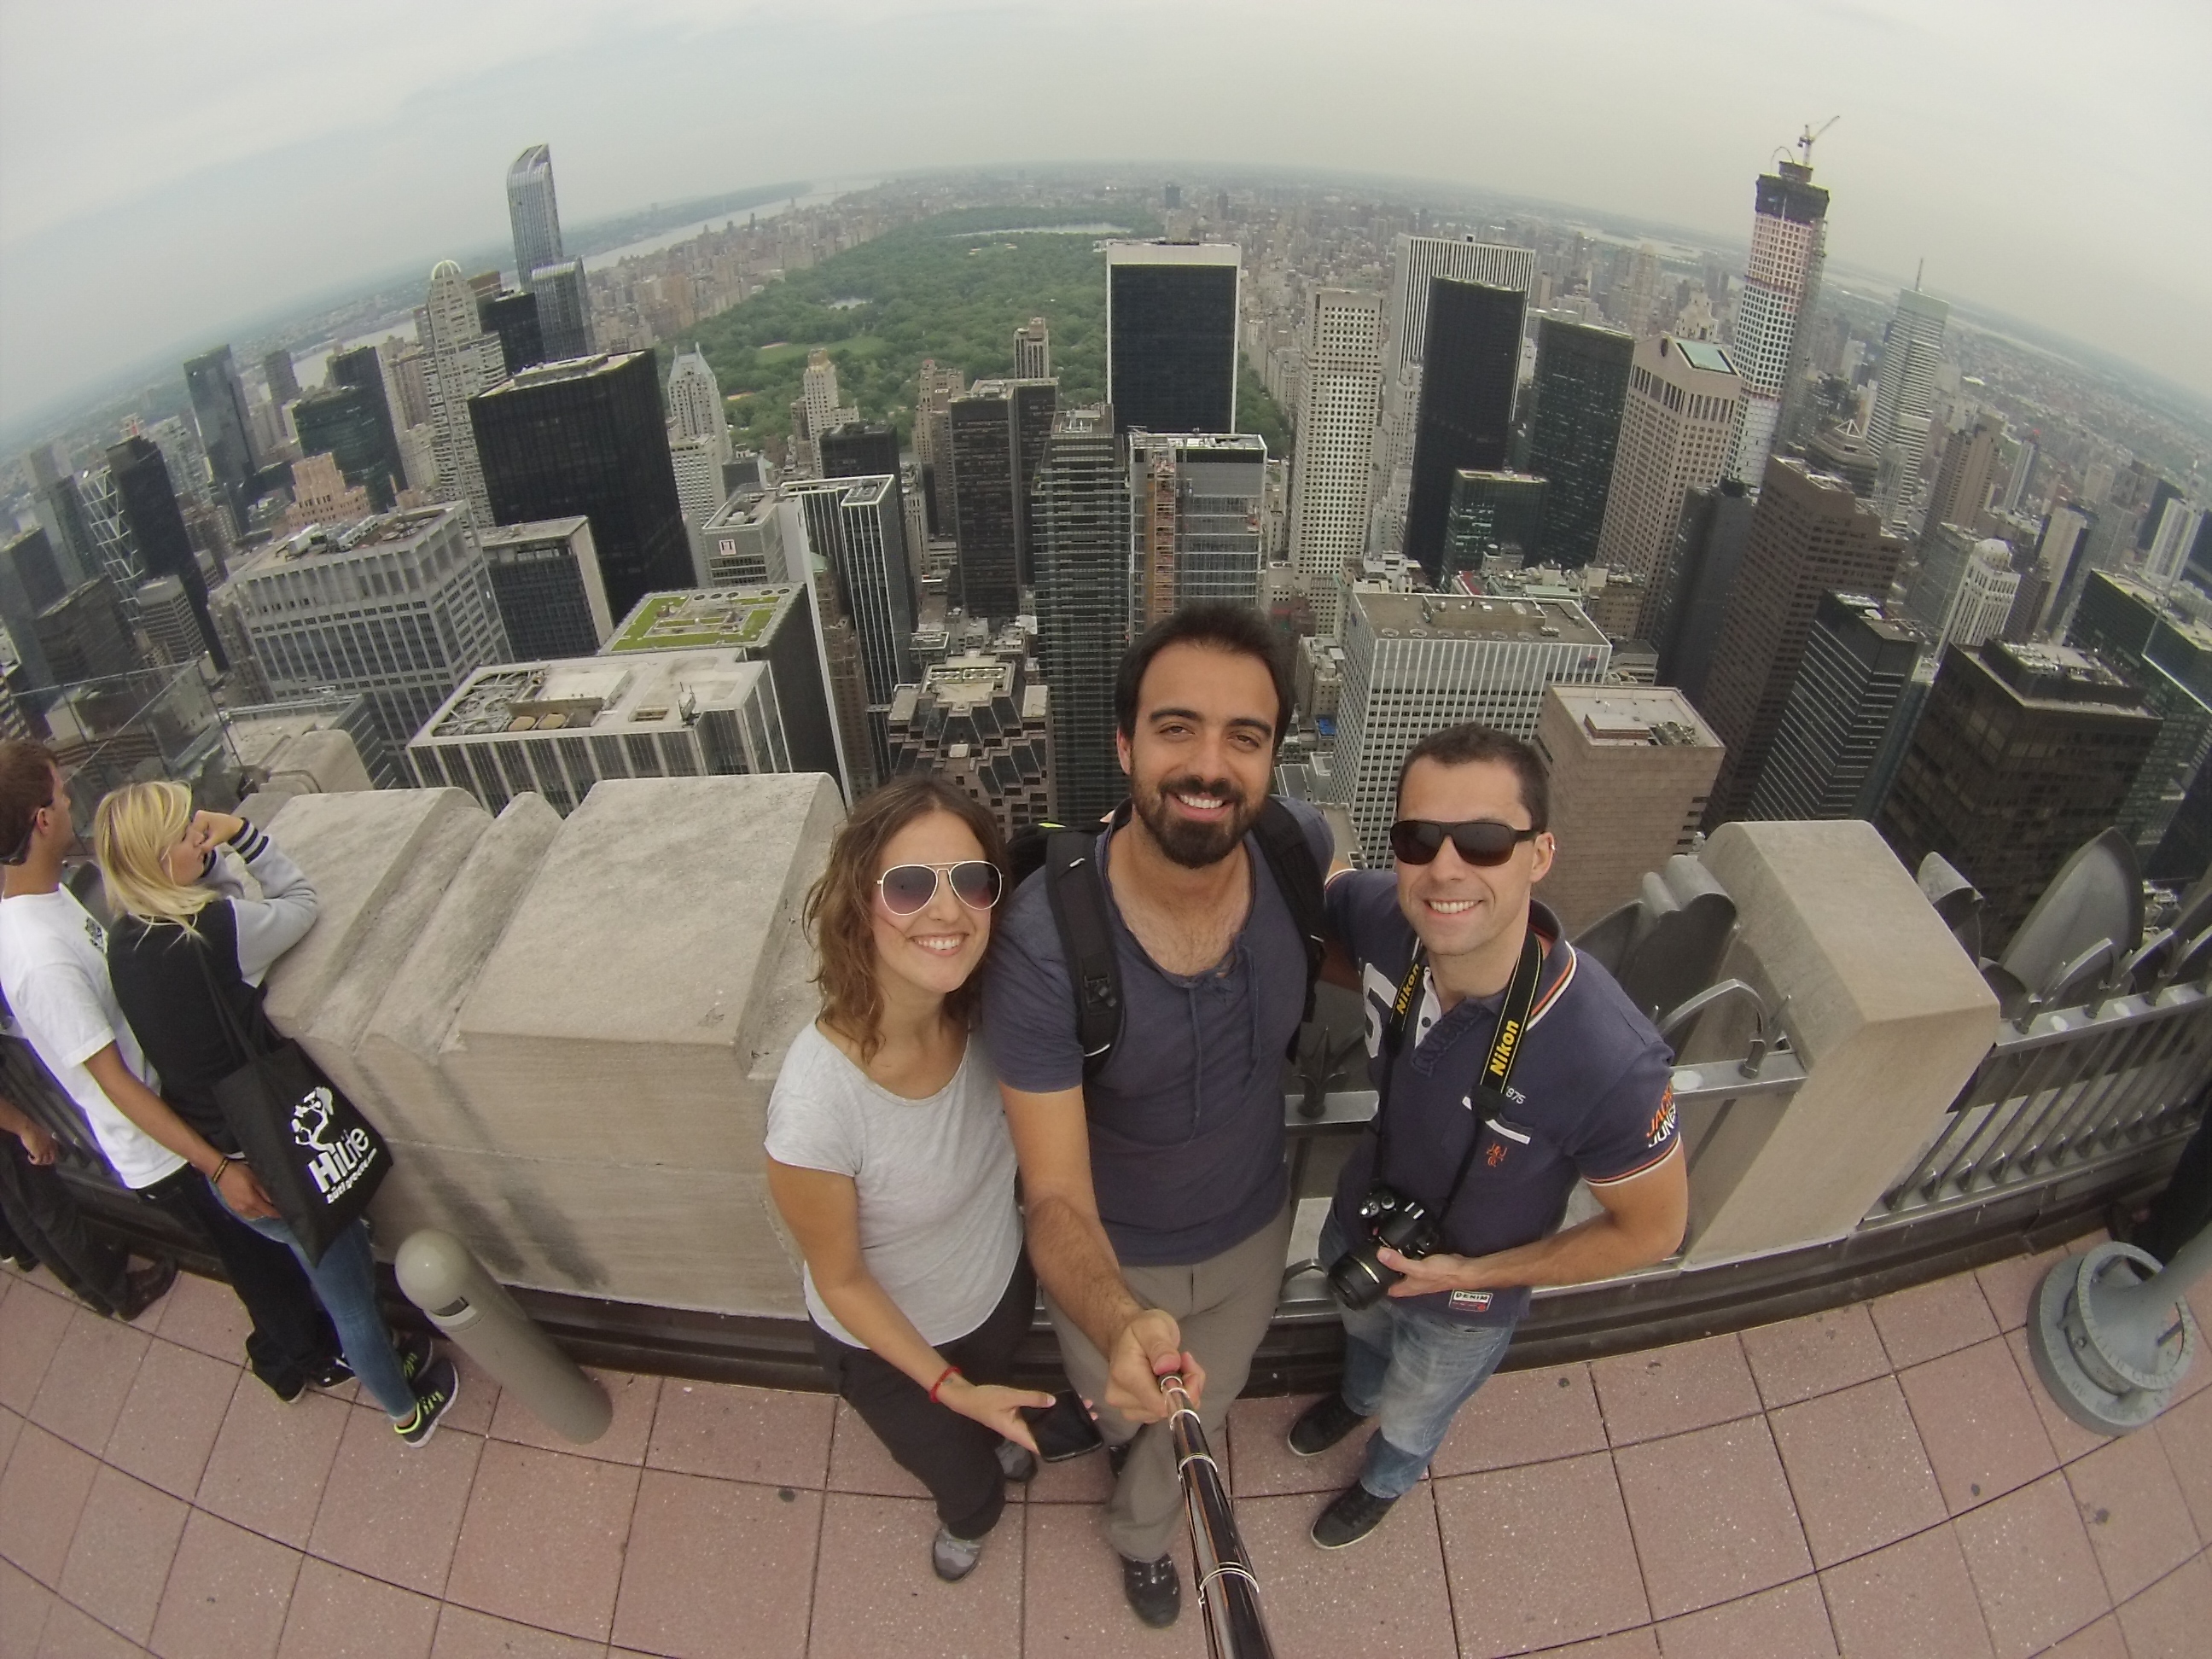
x: 1591, y: 1093
x: 1186, y: 1117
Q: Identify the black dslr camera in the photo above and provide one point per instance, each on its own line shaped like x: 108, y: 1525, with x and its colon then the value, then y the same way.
x: 1358, y: 1277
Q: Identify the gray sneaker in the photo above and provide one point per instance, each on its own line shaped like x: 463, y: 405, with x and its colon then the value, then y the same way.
x: 1018, y: 1464
x: 954, y: 1558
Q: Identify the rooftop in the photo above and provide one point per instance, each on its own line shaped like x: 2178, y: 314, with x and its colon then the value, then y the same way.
x: 1657, y: 717
x: 646, y: 691
x: 707, y: 616
x: 1472, y: 618
x: 533, y: 531
x: 565, y: 368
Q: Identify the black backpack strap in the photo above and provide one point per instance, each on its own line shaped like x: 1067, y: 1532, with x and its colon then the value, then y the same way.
x: 1290, y: 858
x: 1076, y: 889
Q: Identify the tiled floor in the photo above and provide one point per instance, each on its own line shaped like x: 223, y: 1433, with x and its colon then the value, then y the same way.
x: 1883, y: 1481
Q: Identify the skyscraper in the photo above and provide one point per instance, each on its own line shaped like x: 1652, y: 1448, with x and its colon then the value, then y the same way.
x: 1781, y: 284
x: 1171, y: 316
x: 345, y: 424
x: 1903, y: 399
x: 29, y: 582
x: 1677, y: 421
x: 1033, y: 350
x: 2019, y: 757
x: 277, y: 369
x: 1080, y: 509
x: 545, y: 581
x: 1575, y: 406
x: 1337, y: 409
x: 585, y: 436
x: 1634, y: 304
x: 459, y: 360
x: 860, y: 450
x: 1962, y: 485
x: 218, y: 397
x: 694, y: 402
x: 997, y: 430
x: 1842, y: 708
x: 84, y: 635
x: 60, y: 509
x: 1963, y: 590
x: 856, y: 526
x: 1468, y: 371
x: 157, y: 527
x: 2165, y: 654
x: 982, y: 723
x: 564, y: 310
x: 532, y: 213
x: 2180, y: 528
x: 513, y: 317
x: 1416, y: 261
x: 1495, y: 515
x: 1809, y: 536
x: 1196, y: 501
x: 932, y: 440
x: 1414, y: 662
x: 819, y: 391
x: 363, y: 369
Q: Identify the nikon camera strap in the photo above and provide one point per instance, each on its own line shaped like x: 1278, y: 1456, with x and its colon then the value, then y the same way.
x: 1497, y: 1067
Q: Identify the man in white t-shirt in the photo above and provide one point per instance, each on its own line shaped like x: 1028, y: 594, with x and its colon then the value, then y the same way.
x: 53, y: 971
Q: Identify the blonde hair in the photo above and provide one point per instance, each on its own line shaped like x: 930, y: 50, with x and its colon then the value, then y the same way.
x: 132, y: 835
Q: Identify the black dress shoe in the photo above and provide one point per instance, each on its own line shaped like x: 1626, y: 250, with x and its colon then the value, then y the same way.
x: 1321, y: 1424
x: 144, y: 1287
x: 1352, y: 1515
x: 1154, y: 1589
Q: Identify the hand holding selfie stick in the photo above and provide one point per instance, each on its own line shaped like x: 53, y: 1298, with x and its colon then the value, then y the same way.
x: 1228, y: 1593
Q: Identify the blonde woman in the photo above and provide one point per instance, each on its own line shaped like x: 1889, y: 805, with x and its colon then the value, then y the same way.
x: 184, y: 934
x: 889, y: 1158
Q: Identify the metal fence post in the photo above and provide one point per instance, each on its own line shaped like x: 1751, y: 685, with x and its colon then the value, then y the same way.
x: 472, y: 1309
x: 2111, y: 1335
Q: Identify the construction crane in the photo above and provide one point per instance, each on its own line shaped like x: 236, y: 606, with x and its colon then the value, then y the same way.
x: 1804, y: 140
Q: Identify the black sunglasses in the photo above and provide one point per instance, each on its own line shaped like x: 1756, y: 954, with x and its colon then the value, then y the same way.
x: 907, y: 888
x: 1478, y: 840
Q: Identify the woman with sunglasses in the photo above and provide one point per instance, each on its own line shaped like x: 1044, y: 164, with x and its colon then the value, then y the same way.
x: 888, y: 1158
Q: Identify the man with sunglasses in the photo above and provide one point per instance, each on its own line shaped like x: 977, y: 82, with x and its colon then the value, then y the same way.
x: 1487, y: 1122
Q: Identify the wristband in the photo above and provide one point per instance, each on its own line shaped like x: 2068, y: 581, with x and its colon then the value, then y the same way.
x: 950, y: 1371
x: 222, y: 1168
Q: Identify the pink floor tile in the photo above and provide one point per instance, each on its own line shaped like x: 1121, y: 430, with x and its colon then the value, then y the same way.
x: 227, y: 1594
x: 1712, y: 1516
x: 24, y: 1605
x: 1523, y: 1417
x: 1857, y: 1473
x: 2032, y: 1563
x: 1932, y: 1319
x: 858, y: 1461
x: 2186, y: 1431
x: 1816, y: 1354
x: 1662, y: 1391
x: 87, y: 1380
x: 119, y: 1560
x: 31, y: 1324
x: 270, y: 1460
x: 70, y: 1634
x: 464, y: 1633
x: 1627, y: 1644
x: 169, y: 1423
x: 2137, y: 1519
x: 1385, y: 1595
x: 336, y: 1614
x: 632, y: 1397
x: 1790, y: 1619
x: 1073, y: 1605
x: 1087, y: 1480
x: 769, y: 1436
x: 393, y: 1510
x: 2101, y: 1640
x: 2069, y: 1439
x: 41, y: 1495
x: 2173, y: 1618
x: 1540, y: 1555
x: 1983, y: 1433
x: 679, y: 1594
x: 1912, y: 1601
x: 10, y: 1426
x: 874, y: 1591
x: 206, y: 1316
x: 1263, y: 1464
x: 2009, y: 1285
x: 543, y: 1539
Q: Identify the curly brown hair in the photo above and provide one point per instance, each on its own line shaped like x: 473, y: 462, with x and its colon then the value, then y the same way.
x: 841, y: 906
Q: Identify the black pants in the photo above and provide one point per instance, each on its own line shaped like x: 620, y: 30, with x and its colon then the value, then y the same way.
x: 43, y: 1215
x: 2184, y: 1208
x: 293, y: 1338
x: 955, y: 1457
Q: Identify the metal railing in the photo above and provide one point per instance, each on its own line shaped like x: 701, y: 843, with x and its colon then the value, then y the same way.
x: 2077, y: 1088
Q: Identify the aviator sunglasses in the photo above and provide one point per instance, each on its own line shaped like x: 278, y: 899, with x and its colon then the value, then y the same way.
x: 1478, y: 840
x: 907, y: 888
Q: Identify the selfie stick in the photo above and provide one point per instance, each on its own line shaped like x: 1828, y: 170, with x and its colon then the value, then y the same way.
x: 1228, y: 1593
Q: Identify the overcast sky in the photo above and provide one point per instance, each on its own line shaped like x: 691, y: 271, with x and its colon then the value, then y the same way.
x: 167, y: 168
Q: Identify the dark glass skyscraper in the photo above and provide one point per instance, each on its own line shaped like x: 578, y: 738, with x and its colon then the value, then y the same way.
x: 347, y: 423
x: 513, y: 317
x: 1574, y: 429
x: 545, y: 578
x: 157, y: 525
x: 219, y: 406
x: 1465, y: 419
x: 587, y: 436
x: 1000, y: 429
x: 859, y: 450
x: 363, y: 370
x: 1171, y: 335
x: 1850, y: 692
x: 1079, y: 512
x: 564, y: 310
x: 1496, y: 515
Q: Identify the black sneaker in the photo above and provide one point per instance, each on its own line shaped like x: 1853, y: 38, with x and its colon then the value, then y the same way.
x: 1154, y: 1589
x: 1321, y: 1424
x: 441, y: 1386
x: 144, y: 1286
x: 1018, y: 1464
x: 1352, y: 1515
x: 415, y: 1353
x: 332, y: 1373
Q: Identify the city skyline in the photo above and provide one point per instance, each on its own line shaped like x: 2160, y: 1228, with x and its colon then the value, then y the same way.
x: 2111, y: 270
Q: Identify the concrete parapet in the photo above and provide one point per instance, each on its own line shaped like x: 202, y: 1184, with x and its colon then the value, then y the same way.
x: 1888, y: 1017
x: 569, y: 1029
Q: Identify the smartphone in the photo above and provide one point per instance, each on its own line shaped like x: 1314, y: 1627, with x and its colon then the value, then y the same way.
x: 1063, y: 1429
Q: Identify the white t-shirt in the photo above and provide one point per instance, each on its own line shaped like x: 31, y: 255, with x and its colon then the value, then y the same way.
x: 938, y: 1229
x: 53, y: 971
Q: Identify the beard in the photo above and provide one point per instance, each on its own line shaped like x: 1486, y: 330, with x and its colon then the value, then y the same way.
x: 1196, y: 845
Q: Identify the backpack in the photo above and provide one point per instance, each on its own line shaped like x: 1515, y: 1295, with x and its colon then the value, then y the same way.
x: 1076, y: 889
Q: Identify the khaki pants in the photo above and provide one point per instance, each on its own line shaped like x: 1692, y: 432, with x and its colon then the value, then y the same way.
x: 1223, y: 1305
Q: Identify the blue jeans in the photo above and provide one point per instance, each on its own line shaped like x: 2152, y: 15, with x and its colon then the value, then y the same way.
x: 1413, y: 1370
x: 345, y: 1283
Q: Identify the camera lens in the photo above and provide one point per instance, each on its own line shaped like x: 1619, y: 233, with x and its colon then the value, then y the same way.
x: 1358, y: 1280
